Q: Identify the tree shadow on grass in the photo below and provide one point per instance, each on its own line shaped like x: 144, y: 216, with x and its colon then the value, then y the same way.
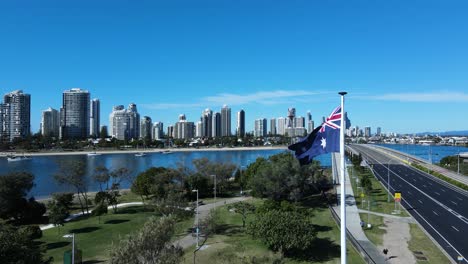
x: 56, y: 245
x: 93, y: 261
x: 314, y: 201
x: 84, y: 230
x: 133, y: 210
x: 116, y: 221
x: 320, y: 228
x: 229, y: 230
x: 322, y: 250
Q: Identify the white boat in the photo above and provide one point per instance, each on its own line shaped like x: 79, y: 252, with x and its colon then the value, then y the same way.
x: 12, y: 158
x: 94, y: 154
x: 140, y: 154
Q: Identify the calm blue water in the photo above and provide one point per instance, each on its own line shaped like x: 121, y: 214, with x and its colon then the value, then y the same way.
x: 45, y: 167
x: 430, y: 153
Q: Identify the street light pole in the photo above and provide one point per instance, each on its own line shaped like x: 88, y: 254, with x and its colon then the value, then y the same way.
x: 388, y: 181
x: 197, y: 217
x: 72, y: 235
x: 458, y: 170
x: 214, y: 190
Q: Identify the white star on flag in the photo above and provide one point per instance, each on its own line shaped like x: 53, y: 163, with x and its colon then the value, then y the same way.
x: 324, y: 143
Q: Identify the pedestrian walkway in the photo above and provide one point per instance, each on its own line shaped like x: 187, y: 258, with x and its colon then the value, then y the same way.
x: 409, y: 220
x: 204, y: 210
x: 353, y: 219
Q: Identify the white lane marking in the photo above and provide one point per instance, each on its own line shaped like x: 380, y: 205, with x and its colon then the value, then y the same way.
x: 430, y: 183
x: 443, y: 190
x: 453, y: 202
x: 437, y: 193
x: 459, y: 198
x: 424, y: 185
x: 420, y: 201
x: 410, y: 193
x: 435, y: 213
x: 455, y: 229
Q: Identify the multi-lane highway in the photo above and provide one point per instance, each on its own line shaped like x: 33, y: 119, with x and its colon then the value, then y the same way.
x: 441, y: 208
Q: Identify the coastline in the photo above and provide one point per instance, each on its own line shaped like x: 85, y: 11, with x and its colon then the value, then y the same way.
x: 135, y: 151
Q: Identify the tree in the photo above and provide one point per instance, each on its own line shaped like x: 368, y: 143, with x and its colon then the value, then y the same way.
x: 283, y: 231
x: 103, y: 133
x: 223, y: 171
x: 101, y: 176
x: 100, y: 209
x: 243, y: 209
x: 57, y: 214
x: 152, y: 244
x: 13, y: 189
x: 64, y: 199
x: 73, y: 173
x: 17, y: 245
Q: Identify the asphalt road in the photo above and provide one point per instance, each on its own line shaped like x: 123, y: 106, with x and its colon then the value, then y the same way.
x: 441, y: 208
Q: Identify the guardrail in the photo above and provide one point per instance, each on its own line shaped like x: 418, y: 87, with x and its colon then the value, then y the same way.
x: 367, y: 258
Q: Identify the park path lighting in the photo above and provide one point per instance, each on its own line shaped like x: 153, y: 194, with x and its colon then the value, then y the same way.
x: 240, y: 180
x: 197, y: 219
x: 72, y: 236
x: 214, y: 191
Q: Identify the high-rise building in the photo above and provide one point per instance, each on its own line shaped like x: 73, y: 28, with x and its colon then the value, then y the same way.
x: 183, y: 129
x: 206, y: 119
x: 310, y: 122
x: 146, y: 128
x: 125, y: 123
x: 260, y: 128
x: 94, y: 118
x: 170, y: 131
x: 158, y: 131
x: 291, y: 117
x: 104, y: 132
x: 15, y: 116
x: 299, y: 121
x: 241, y: 123
x: 281, y: 126
x: 379, y: 131
x: 198, y: 129
x: 50, y: 123
x: 225, y: 121
x: 367, y: 132
x: 273, y: 127
x: 74, y: 114
x: 216, y: 125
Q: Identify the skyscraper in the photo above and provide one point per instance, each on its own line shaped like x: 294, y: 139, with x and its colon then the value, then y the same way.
x: 367, y: 132
x: 241, y: 123
x: 379, y: 131
x: 216, y: 125
x: 94, y: 118
x: 198, y: 129
x: 310, y: 122
x: 206, y: 119
x: 146, y: 128
x: 158, y: 131
x: 281, y: 126
x: 15, y: 116
x: 50, y: 123
x: 125, y: 123
x: 74, y: 114
x: 291, y: 118
x: 225, y: 121
x: 260, y: 128
x: 183, y: 129
x: 273, y: 127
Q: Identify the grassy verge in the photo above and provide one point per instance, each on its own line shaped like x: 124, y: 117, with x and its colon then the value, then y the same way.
x: 378, y: 196
x: 93, y: 238
x: 440, y: 176
x: 421, y: 243
x: 375, y: 233
x: 233, y: 245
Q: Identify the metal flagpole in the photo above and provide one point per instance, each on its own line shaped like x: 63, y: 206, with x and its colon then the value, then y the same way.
x: 342, y: 183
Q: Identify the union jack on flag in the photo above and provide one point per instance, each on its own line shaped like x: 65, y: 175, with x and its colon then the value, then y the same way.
x: 333, y: 121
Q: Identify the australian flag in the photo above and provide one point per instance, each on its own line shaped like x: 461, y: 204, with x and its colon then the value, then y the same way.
x: 324, y: 139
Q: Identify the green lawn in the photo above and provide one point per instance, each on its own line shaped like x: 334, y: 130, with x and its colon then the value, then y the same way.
x: 378, y: 196
x: 93, y: 238
x: 421, y: 243
x: 232, y: 245
x: 375, y: 233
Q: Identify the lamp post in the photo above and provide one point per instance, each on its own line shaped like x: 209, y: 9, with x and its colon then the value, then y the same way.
x: 458, y: 169
x: 214, y: 190
x: 197, y: 217
x: 388, y: 180
x: 240, y: 180
x: 72, y: 236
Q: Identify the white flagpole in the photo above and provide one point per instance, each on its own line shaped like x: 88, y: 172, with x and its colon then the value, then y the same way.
x: 342, y: 183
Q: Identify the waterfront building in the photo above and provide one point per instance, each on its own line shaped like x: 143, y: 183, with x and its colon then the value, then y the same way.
x: 299, y: 121
x: 74, y: 114
x: 170, y: 131
x: 183, y: 129
x: 198, y: 129
x: 379, y: 131
x: 260, y: 127
x: 281, y: 126
x: 207, y: 116
x: 225, y: 121
x: 241, y: 123
x: 291, y: 117
x: 146, y: 128
x: 125, y: 123
x: 273, y: 126
x: 158, y: 131
x: 94, y: 118
x: 50, y: 123
x: 216, y: 125
x: 367, y: 132
x: 15, y: 116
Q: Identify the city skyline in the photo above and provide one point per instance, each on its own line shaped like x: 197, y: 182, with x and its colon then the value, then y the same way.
x: 402, y: 64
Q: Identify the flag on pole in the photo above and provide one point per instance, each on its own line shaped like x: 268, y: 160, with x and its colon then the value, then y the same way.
x: 324, y: 139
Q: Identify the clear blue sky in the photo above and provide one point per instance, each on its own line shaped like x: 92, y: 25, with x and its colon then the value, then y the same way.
x: 403, y: 63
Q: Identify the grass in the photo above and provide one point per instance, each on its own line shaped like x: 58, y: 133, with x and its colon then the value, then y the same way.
x: 375, y: 233
x: 421, y: 243
x: 232, y: 244
x: 378, y: 195
x: 440, y: 176
x: 93, y: 238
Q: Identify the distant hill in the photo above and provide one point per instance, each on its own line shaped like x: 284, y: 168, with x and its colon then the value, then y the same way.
x: 462, y: 133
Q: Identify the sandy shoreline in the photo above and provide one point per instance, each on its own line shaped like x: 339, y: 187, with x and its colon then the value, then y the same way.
x: 134, y: 151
